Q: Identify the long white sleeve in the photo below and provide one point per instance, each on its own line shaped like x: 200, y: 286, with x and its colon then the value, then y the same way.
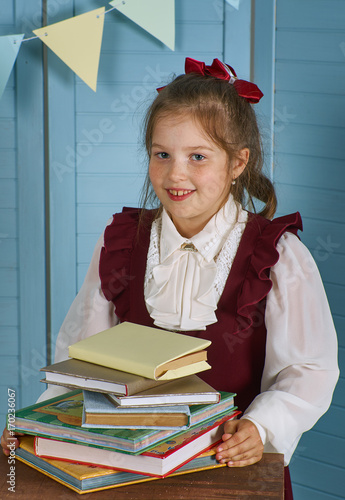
x: 89, y: 313
x: 301, y: 368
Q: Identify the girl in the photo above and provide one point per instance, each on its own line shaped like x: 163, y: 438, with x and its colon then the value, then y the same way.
x: 201, y: 264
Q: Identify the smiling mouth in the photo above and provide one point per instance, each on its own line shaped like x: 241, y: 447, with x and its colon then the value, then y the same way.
x: 180, y: 192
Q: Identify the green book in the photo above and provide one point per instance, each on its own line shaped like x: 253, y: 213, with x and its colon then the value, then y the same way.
x: 61, y: 418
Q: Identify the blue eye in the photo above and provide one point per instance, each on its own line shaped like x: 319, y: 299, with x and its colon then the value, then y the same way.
x: 198, y: 157
x: 162, y: 155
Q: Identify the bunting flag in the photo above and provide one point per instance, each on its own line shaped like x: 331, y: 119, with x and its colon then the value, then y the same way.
x: 155, y: 16
x: 234, y: 3
x: 77, y: 41
x: 9, y: 48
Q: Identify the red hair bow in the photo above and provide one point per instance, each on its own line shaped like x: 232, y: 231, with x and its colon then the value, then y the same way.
x: 248, y: 90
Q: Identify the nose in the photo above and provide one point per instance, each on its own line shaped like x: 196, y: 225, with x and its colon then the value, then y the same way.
x: 177, y: 170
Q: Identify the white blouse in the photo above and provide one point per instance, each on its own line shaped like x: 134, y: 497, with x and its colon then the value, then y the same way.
x: 301, y: 368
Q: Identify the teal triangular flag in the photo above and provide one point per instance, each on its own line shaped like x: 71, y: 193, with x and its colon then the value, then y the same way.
x: 9, y: 47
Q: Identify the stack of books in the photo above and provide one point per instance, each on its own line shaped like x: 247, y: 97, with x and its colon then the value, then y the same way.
x: 138, y: 411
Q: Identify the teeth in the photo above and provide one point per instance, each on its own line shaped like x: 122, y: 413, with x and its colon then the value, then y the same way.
x: 179, y: 193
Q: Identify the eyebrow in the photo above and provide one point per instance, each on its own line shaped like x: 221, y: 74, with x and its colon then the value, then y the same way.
x: 155, y: 145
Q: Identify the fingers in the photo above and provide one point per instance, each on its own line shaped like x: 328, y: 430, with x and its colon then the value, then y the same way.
x: 9, y: 441
x: 241, y: 445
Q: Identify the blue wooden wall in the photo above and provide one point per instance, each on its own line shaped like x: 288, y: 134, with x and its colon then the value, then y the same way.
x: 309, y: 155
x: 22, y: 214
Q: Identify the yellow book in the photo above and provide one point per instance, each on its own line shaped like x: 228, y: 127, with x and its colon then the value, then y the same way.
x: 89, y: 478
x: 149, y: 352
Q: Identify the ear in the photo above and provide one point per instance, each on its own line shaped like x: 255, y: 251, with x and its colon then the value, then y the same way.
x: 239, y: 163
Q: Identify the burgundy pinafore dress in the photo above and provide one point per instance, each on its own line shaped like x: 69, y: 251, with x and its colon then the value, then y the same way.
x: 237, y: 352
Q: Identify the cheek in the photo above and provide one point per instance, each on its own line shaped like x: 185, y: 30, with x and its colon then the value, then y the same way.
x: 155, y: 174
x: 216, y: 186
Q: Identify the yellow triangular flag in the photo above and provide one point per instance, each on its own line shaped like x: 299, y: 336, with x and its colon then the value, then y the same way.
x: 155, y: 16
x: 77, y: 41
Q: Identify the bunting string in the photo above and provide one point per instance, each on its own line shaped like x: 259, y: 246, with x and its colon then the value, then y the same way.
x: 32, y: 38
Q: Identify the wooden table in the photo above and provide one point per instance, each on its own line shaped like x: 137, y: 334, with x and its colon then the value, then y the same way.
x: 264, y: 480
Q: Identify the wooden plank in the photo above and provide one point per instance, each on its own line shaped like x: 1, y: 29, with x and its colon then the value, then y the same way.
x: 264, y: 479
x: 7, y: 133
x: 4, y: 396
x: 96, y: 128
x: 8, y: 193
x: 110, y: 159
x: 8, y: 282
x: 264, y: 72
x: 121, y: 103
x: 109, y: 188
x: 85, y: 245
x: 94, y: 218
x: 309, y: 77
x: 8, y: 252
x: 339, y: 322
x: 328, y: 449
x: 8, y: 223
x: 8, y: 164
x: 341, y: 354
x: 7, y: 12
x: 303, y: 493
x: 31, y: 202
x: 317, y: 204
x: 238, y: 26
x: 309, y: 171
x: 336, y: 297
x: 311, y: 14
x: 310, y: 46
x: 9, y: 337
x: 324, y: 237
x: 62, y: 201
x: 318, y: 475
x: 10, y: 375
x: 8, y: 311
x: 136, y: 68
x: 310, y: 140
x: 339, y: 393
x: 7, y: 102
x: 309, y: 108
x: 125, y: 36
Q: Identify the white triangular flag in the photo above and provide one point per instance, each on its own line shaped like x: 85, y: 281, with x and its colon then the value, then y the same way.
x: 77, y: 41
x: 155, y: 16
x: 9, y: 47
x: 234, y: 3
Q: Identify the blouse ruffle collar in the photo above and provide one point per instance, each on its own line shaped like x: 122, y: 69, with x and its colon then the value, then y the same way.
x: 182, y: 283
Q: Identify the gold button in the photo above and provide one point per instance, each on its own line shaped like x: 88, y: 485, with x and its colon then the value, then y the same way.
x: 189, y: 247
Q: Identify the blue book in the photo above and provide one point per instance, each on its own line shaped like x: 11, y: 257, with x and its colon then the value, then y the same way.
x: 100, y: 412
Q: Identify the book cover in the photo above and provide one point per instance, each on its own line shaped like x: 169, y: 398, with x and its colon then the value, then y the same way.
x: 99, y: 411
x: 87, y: 479
x: 61, y: 418
x: 160, y: 461
x: 75, y: 373
x: 149, y: 352
x: 191, y: 390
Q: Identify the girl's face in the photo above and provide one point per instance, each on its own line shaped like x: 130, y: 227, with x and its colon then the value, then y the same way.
x: 190, y: 173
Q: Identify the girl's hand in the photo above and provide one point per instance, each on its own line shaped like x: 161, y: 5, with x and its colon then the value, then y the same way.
x: 8, y: 440
x: 241, y: 445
